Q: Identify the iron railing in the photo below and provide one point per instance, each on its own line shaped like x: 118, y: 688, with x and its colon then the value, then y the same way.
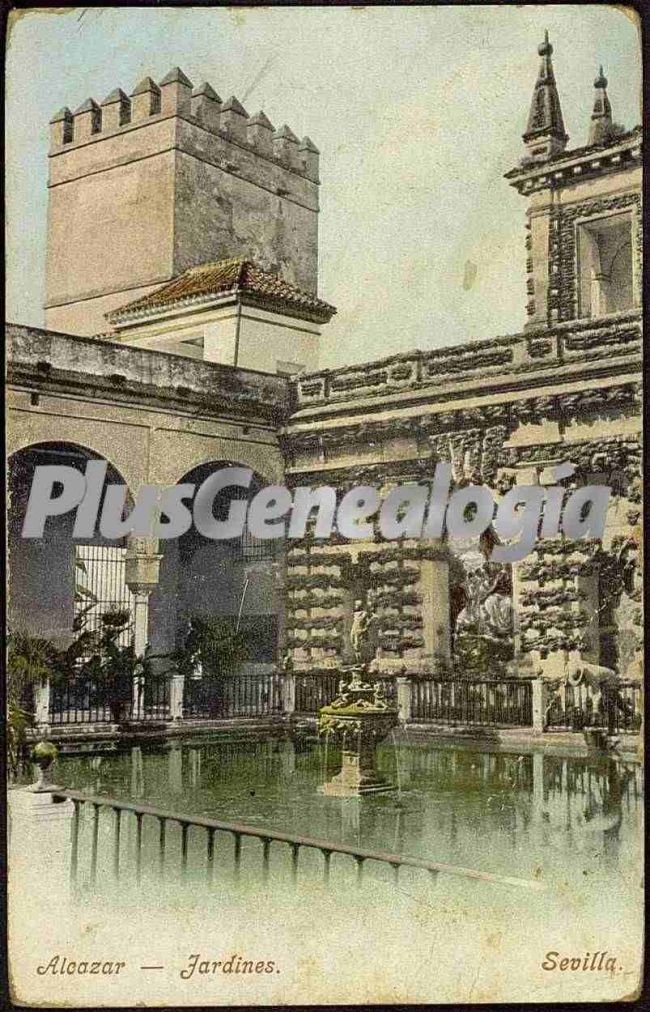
x: 78, y: 702
x: 613, y: 708
x: 247, y: 694
x: 483, y: 703
x: 315, y: 690
x: 238, y: 832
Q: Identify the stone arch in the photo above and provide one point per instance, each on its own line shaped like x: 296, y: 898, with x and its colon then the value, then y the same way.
x: 173, y: 456
x: 101, y: 440
x: 233, y: 581
x: 46, y: 574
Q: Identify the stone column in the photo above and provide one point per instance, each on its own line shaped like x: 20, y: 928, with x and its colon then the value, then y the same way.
x: 404, y: 699
x: 590, y: 603
x: 42, y: 703
x: 176, y: 696
x: 137, y: 772
x: 142, y: 570
x: 434, y: 584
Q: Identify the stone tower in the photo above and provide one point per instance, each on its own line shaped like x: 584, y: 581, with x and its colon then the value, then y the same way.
x: 143, y: 187
x: 583, y: 227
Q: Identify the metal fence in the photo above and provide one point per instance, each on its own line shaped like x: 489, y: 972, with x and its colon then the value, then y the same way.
x: 247, y: 694
x: 316, y: 690
x: 78, y: 702
x: 613, y: 708
x: 482, y: 703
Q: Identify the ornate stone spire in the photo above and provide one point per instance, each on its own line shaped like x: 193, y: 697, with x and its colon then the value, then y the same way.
x: 601, y: 129
x: 545, y: 135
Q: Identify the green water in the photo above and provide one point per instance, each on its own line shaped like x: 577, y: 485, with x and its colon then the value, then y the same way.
x: 561, y: 819
x: 570, y: 826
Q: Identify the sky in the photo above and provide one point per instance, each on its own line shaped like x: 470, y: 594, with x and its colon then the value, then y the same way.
x: 417, y: 111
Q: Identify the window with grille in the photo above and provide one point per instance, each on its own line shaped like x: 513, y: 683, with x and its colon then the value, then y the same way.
x: 100, y: 578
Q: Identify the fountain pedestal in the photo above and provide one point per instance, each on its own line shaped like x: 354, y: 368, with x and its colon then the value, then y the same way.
x: 359, y: 718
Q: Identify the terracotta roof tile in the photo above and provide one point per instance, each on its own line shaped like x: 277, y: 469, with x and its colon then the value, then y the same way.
x: 236, y: 275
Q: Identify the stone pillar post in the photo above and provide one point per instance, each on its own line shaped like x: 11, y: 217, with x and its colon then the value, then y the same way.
x: 289, y: 692
x: 539, y: 705
x: 142, y: 569
x: 42, y: 703
x: 140, y: 638
x: 434, y: 584
x: 176, y: 696
x: 404, y: 699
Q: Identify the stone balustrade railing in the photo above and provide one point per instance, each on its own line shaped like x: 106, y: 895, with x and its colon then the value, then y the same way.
x: 573, y: 341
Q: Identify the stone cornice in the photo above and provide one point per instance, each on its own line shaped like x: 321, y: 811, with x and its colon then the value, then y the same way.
x: 581, y: 163
x: 483, y: 427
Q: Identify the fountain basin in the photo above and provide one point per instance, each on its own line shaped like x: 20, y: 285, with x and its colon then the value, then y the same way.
x: 359, y: 719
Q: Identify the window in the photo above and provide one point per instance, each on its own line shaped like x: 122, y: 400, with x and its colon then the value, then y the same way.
x: 100, y: 586
x: 605, y: 265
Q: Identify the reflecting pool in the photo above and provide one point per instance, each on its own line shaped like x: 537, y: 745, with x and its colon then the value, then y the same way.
x: 572, y: 825
x: 522, y: 814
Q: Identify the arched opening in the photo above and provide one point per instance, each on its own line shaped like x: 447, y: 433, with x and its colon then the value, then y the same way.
x: 234, y: 582
x: 56, y: 583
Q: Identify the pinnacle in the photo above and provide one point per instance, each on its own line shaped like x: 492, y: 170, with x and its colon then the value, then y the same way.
x: 145, y: 85
x: 260, y: 119
x: 545, y: 49
x: 286, y: 133
x: 62, y: 114
x: 545, y: 117
x: 207, y: 91
x: 88, y: 106
x: 601, y: 80
x: 307, y: 144
x: 176, y: 76
x: 234, y: 105
x: 117, y: 95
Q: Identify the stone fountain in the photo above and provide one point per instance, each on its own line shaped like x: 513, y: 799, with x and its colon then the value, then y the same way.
x: 359, y: 718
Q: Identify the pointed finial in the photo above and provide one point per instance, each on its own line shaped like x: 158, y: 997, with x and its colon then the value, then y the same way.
x: 207, y: 91
x: 545, y: 135
x: 601, y: 80
x: 601, y: 129
x: 545, y: 48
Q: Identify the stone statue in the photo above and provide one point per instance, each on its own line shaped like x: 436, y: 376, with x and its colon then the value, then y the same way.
x: 488, y: 609
x: 497, y: 611
x: 361, y: 640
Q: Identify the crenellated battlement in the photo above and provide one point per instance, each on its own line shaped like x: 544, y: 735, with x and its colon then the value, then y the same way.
x: 175, y: 96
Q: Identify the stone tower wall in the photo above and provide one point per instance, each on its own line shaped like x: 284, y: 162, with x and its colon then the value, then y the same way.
x: 142, y: 188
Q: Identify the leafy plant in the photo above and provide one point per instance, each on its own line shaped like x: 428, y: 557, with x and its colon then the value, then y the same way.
x: 30, y: 660
x: 110, y: 670
x: 218, y: 649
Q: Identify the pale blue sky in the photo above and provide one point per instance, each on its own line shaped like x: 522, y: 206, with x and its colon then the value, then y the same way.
x: 417, y: 112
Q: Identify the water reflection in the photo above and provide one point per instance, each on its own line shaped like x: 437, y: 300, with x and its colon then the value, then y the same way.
x: 513, y: 813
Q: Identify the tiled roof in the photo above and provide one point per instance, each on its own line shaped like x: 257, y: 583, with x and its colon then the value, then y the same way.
x: 237, y: 276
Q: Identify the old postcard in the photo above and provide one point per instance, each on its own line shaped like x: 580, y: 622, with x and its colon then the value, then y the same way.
x: 324, y: 673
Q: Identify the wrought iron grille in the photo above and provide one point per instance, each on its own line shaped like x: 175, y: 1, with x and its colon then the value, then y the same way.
x: 100, y: 578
